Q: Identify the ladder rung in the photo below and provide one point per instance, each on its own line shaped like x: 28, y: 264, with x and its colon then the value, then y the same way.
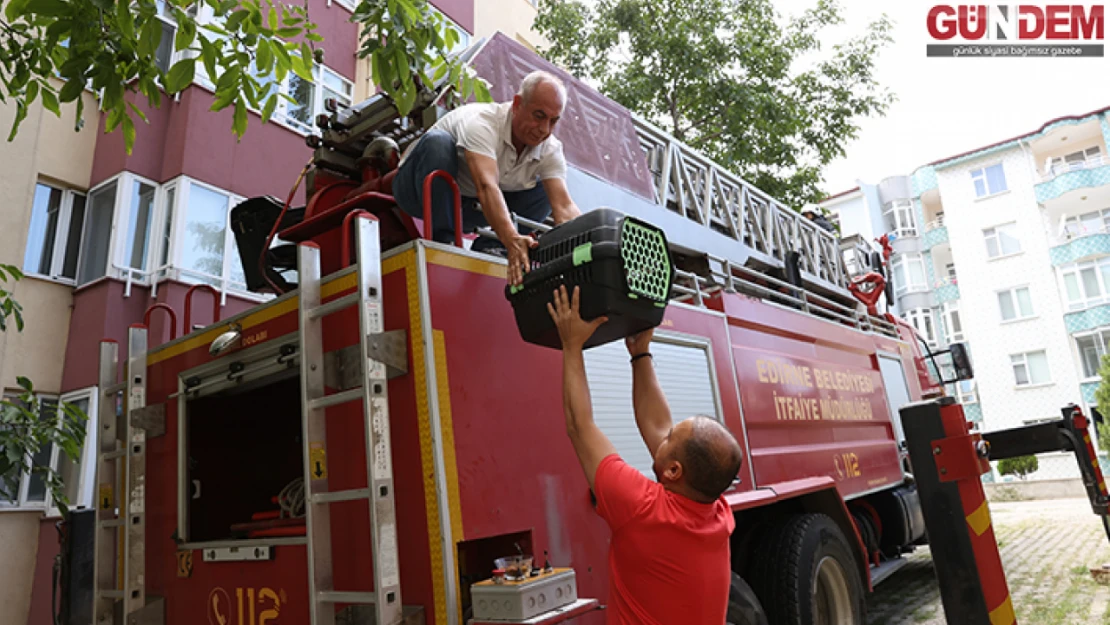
x: 111, y: 594
x: 341, y: 397
x: 112, y: 455
x: 335, y: 305
x: 344, y: 596
x: 115, y: 388
x: 341, y: 495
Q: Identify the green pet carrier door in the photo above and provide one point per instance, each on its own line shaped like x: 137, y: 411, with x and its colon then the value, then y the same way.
x: 621, y: 265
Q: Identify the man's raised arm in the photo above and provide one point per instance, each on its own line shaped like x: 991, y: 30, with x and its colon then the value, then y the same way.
x: 653, y: 415
x: 590, y: 444
x: 483, y: 170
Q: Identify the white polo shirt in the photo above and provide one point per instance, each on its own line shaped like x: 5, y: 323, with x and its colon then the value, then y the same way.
x: 486, y: 128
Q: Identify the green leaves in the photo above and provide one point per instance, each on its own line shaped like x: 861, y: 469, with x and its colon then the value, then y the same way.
x: 181, y: 75
x: 406, y: 40
x: 8, y: 306
x: 728, y: 77
x: 111, y: 47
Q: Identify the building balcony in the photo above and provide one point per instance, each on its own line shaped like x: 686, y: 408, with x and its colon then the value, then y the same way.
x: 973, y: 412
x: 922, y: 180
x: 1087, y: 319
x: 946, y: 291
x: 936, y: 233
x: 1065, y: 177
x: 1088, y: 390
x: 1073, y: 249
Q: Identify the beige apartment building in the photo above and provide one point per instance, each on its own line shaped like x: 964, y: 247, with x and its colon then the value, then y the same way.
x: 65, y: 226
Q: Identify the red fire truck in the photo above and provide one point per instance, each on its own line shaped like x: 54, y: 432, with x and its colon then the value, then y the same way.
x: 371, y: 443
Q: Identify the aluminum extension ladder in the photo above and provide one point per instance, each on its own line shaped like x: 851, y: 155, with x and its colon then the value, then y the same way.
x: 372, y: 393
x: 119, y: 562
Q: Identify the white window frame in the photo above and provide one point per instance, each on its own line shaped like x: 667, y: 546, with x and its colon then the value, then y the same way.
x: 1101, y: 336
x: 980, y: 174
x: 281, y: 115
x: 992, y: 233
x: 1072, y: 226
x: 182, y: 186
x: 61, y: 235
x: 1012, y: 292
x: 1021, y: 359
x: 1085, y: 302
x: 950, y: 311
x: 201, y: 12
x: 86, y: 463
x: 121, y: 221
x: 922, y: 320
x: 901, y: 218
x: 905, y: 260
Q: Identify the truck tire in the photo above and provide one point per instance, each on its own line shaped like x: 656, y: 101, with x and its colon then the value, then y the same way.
x: 804, y: 573
x: 743, y: 606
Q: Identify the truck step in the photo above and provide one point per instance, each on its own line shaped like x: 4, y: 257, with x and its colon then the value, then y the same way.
x: 346, y: 596
x: 886, y: 569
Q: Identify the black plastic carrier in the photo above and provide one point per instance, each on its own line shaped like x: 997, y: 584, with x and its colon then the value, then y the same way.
x: 623, y: 269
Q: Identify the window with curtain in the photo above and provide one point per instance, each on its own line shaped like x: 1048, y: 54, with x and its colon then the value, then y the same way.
x: 989, y: 180
x: 1030, y: 368
x: 1086, y: 284
x: 1002, y: 240
x: 1014, y: 304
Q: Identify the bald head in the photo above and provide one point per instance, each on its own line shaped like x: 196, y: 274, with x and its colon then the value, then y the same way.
x: 710, y: 456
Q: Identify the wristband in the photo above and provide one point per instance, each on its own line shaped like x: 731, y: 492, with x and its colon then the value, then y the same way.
x: 639, y: 356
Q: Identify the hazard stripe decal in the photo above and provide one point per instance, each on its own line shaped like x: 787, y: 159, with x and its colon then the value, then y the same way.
x: 980, y: 520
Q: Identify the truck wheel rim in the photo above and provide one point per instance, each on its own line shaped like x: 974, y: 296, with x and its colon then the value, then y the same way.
x: 832, y: 597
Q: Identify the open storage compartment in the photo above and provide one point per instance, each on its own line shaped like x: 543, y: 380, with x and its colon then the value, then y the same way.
x: 243, y: 450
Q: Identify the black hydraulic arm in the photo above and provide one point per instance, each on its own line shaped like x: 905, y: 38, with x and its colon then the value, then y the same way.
x: 1071, y: 433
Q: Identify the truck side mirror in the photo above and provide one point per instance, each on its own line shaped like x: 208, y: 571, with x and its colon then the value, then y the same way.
x: 961, y: 362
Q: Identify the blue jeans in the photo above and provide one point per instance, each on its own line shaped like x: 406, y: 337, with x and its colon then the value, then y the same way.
x: 437, y: 150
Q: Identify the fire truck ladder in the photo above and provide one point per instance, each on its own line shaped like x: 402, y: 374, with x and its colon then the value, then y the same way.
x: 386, y: 596
x: 119, y: 563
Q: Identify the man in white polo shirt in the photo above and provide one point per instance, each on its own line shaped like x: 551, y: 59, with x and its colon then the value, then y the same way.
x: 497, y: 152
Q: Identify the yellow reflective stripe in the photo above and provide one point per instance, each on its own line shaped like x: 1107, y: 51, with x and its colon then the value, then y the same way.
x: 1003, y: 614
x: 980, y: 520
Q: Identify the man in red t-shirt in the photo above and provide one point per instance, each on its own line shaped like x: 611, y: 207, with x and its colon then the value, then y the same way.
x: 669, y: 556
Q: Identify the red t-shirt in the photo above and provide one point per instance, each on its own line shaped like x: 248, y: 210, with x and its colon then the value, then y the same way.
x: 669, y: 555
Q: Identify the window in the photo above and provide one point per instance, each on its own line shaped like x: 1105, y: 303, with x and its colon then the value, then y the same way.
x: 1002, y: 240
x: 131, y: 215
x: 54, y: 237
x: 1081, y: 159
x: 909, y: 274
x: 96, y: 240
x: 77, y: 477
x: 1094, y: 222
x: 1030, y: 368
x: 989, y: 180
x: 1086, y: 284
x: 966, y: 392
x: 950, y: 270
x: 164, y: 55
x: 922, y: 320
x: 308, y: 100
x: 206, y: 248
x: 1015, y: 304
x: 1092, y: 347
x: 899, y: 218
x: 953, y: 328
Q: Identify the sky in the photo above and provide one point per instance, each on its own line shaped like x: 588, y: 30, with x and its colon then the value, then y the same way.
x: 946, y: 106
